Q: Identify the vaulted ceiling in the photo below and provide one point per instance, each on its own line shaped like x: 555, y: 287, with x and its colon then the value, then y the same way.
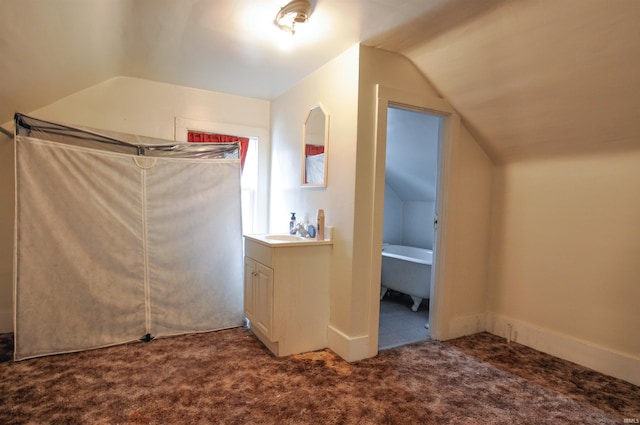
x: 51, y: 49
x: 529, y: 77
x: 533, y: 78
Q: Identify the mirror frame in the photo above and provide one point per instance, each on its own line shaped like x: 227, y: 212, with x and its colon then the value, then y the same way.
x: 303, y: 182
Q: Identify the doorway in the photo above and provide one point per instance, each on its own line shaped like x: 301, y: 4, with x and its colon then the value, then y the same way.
x: 439, y: 308
x: 410, y: 193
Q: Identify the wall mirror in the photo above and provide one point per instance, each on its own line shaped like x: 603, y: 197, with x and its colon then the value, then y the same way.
x: 315, y: 144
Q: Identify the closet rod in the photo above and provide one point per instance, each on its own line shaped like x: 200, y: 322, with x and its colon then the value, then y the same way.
x: 6, y: 132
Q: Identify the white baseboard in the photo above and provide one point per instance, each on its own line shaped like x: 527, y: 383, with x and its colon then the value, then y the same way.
x: 601, y: 359
x: 468, y: 325
x: 349, y: 348
x: 6, y: 321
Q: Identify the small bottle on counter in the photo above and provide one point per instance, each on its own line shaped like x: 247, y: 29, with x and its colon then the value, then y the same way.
x: 320, y: 225
x: 292, y: 224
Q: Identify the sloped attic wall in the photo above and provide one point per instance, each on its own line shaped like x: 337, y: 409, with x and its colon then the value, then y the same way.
x: 532, y: 78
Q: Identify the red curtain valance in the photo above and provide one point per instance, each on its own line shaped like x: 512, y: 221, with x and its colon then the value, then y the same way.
x: 313, y: 150
x: 200, y: 137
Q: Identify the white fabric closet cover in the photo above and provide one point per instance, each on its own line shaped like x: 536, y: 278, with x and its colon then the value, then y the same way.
x: 111, y: 246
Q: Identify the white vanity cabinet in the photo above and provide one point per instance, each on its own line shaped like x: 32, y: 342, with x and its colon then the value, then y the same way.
x: 286, y: 293
x: 258, y: 295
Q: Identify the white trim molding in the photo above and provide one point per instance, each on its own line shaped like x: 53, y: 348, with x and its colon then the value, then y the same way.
x: 468, y: 325
x: 349, y: 348
x: 602, y: 359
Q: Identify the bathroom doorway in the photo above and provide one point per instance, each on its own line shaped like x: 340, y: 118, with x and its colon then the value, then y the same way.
x: 413, y: 138
x: 441, y: 287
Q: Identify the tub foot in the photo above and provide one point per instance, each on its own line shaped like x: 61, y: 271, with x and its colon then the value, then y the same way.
x: 416, y: 303
x: 383, y: 292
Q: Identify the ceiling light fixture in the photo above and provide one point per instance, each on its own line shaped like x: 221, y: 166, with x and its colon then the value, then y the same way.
x: 295, y: 12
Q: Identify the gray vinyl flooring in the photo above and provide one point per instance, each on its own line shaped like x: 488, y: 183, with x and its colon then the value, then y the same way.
x: 398, y: 324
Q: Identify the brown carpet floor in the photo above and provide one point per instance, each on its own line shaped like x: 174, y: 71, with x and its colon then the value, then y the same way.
x: 228, y: 377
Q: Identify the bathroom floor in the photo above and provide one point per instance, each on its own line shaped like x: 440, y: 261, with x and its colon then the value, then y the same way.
x: 398, y: 324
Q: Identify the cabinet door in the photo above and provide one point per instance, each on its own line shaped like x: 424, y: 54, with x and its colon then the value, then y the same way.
x: 249, y: 279
x: 263, y: 300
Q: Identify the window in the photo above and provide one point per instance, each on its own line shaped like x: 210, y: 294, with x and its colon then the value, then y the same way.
x: 255, y: 179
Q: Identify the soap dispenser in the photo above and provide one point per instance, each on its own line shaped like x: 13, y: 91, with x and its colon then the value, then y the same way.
x: 292, y: 224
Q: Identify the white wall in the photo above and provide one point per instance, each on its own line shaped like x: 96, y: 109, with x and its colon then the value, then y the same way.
x: 136, y: 106
x: 468, y: 217
x: 126, y: 105
x: 339, y: 85
x: 393, y: 217
x: 407, y: 223
x: 417, y: 224
x: 347, y: 88
x: 468, y: 239
x: 335, y: 86
x: 564, y: 268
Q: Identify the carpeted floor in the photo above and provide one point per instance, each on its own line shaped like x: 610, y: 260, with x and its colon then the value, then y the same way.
x: 228, y: 377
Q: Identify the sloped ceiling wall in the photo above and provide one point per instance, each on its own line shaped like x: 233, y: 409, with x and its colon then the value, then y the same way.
x: 52, y: 49
x: 530, y: 78
x: 533, y: 78
x: 412, y: 154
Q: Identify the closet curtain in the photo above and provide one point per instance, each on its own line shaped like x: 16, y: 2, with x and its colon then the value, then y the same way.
x: 117, y: 241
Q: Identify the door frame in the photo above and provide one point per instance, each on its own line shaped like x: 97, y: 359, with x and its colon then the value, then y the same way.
x: 439, y: 304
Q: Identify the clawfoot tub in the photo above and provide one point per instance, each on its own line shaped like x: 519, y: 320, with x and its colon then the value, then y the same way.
x: 406, y: 269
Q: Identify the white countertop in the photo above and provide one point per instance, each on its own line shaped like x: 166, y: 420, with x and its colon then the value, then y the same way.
x: 285, y: 240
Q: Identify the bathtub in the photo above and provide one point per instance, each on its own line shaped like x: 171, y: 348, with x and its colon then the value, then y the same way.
x: 406, y: 269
